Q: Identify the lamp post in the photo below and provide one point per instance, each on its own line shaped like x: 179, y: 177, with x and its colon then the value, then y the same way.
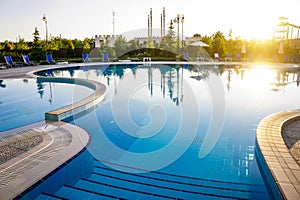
x: 177, y: 20
x: 46, y: 26
x: 182, y: 20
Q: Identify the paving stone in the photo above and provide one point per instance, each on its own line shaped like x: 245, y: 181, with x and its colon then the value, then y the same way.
x: 278, y: 135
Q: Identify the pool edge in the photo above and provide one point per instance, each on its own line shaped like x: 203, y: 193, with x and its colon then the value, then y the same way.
x: 284, y: 169
x: 80, y: 139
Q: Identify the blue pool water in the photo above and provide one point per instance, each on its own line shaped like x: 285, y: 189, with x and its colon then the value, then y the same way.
x: 172, y: 131
x: 25, y: 101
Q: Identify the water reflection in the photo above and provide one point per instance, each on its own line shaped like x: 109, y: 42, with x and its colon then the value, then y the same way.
x: 277, y: 78
x: 169, y: 77
x: 171, y: 83
x: 40, y: 88
x: 285, y: 78
x: 2, y: 84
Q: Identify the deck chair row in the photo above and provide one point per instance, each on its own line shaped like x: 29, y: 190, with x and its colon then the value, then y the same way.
x: 49, y: 59
x: 10, y: 63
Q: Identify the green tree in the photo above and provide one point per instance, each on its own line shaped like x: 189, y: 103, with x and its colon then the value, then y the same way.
x: 22, y: 46
x: 78, y: 43
x: 150, y: 43
x: 8, y: 46
x: 86, y: 45
x: 208, y: 40
x: 70, y: 49
x: 168, y: 42
x: 197, y: 35
x: 36, y: 35
x: 54, y: 44
x: 219, y: 44
x: 133, y: 45
x: 120, y: 46
x: 38, y: 51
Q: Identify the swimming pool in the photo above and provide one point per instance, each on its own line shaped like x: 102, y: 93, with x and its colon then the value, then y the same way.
x: 157, y: 136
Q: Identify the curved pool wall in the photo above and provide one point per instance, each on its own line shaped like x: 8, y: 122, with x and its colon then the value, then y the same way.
x: 267, y: 175
x: 79, y: 107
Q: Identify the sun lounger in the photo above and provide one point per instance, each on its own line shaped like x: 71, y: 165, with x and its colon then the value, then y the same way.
x: 85, y: 57
x: 10, y: 62
x: 286, y: 58
x: 27, y: 61
x: 216, y: 55
x: 228, y: 57
x: 50, y: 59
x: 295, y: 58
x: 105, y: 57
x: 186, y: 56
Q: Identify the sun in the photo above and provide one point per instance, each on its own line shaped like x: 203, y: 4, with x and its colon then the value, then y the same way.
x: 260, y: 30
x: 259, y: 21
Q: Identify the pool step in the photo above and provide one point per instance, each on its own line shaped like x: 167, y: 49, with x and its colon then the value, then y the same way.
x: 181, y: 186
x: 47, y: 196
x: 125, y: 189
x: 74, y: 192
x: 170, y: 186
x: 108, y: 183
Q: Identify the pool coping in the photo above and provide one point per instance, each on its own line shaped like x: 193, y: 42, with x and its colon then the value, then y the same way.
x: 79, y: 140
x: 80, y: 106
x: 283, y: 167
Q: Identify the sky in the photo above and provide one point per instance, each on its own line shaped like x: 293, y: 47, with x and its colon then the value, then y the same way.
x: 86, y: 18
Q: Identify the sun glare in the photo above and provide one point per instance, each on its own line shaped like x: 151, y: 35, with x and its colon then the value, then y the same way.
x: 261, y: 76
x: 259, y: 21
x: 261, y: 30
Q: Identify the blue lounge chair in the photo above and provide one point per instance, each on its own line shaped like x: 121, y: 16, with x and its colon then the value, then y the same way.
x: 228, y: 57
x: 274, y: 58
x: 105, y: 57
x: 85, y: 57
x: 10, y: 62
x: 50, y: 59
x: 286, y: 58
x: 27, y: 61
x: 295, y: 58
x: 186, y: 56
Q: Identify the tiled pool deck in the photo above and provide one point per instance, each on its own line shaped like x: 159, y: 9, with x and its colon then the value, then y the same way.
x: 279, y: 160
x: 62, y: 141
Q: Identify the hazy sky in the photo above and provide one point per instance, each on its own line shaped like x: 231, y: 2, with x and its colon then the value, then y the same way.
x: 86, y: 18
